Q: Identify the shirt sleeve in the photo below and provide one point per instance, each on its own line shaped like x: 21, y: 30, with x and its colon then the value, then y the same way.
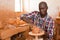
x: 51, y: 29
x: 28, y: 16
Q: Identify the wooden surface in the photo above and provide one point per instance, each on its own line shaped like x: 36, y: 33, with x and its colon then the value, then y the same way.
x: 39, y: 34
x: 57, y: 28
x: 9, y: 32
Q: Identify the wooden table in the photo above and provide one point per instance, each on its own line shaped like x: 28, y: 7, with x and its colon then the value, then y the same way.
x: 6, y: 34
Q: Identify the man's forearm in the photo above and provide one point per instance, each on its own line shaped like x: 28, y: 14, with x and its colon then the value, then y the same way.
x: 27, y: 19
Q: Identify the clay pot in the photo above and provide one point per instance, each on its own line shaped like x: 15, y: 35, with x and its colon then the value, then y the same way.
x: 36, y: 30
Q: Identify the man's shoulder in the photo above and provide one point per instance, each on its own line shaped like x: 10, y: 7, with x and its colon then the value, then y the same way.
x: 33, y: 13
x: 49, y: 18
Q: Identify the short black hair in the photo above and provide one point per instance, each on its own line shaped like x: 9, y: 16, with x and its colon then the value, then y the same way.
x: 43, y: 3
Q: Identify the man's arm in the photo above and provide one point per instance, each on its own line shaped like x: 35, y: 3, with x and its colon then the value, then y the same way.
x: 29, y: 18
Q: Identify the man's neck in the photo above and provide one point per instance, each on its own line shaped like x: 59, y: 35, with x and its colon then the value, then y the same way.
x: 42, y: 16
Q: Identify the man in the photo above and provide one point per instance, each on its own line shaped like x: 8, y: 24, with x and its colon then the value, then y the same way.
x: 41, y: 19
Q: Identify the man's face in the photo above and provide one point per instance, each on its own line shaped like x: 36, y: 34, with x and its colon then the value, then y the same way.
x: 43, y: 9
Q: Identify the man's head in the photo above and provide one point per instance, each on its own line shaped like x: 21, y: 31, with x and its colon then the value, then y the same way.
x: 43, y: 8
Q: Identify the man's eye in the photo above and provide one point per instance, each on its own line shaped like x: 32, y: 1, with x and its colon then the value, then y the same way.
x: 41, y: 8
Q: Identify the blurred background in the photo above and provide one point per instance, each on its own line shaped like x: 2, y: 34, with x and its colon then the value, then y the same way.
x: 30, y: 5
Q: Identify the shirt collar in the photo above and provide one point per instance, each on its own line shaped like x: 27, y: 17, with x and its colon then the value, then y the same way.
x: 42, y: 18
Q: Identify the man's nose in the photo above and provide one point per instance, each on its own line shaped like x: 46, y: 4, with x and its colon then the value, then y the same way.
x: 42, y: 10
